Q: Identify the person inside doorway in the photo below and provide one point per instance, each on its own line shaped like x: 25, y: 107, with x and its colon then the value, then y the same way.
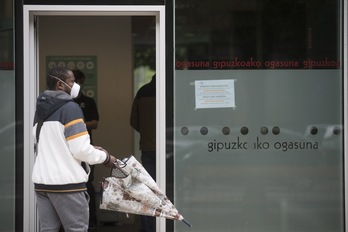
x: 62, y: 144
x: 91, y: 117
x: 143, y: 120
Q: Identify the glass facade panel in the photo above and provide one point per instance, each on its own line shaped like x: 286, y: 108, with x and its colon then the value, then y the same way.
x: 7, y: 119
x: 258, y: 118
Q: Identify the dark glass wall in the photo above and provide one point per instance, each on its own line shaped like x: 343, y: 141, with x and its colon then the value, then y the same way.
x: 7, y: 119
x: 265, y: 34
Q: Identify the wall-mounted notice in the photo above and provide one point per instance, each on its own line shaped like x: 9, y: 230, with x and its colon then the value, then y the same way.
x: 214, y: 94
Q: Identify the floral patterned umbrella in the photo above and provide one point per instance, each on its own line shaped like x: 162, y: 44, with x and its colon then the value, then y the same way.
x: 131, y: 189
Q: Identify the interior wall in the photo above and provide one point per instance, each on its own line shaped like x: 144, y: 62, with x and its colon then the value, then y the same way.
x: 108, y: 38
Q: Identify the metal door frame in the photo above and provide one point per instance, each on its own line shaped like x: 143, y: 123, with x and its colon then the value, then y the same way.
x: 344, y: 5
x: 30, y: 92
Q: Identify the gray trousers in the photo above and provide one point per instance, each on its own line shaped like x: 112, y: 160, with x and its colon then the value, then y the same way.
x: 67, y: 209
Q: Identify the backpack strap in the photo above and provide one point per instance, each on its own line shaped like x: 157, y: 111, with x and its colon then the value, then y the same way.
x: 40, y: 122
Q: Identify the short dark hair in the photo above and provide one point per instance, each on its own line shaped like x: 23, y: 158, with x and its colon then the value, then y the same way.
x: 79, y: 75
x: 57, y: 72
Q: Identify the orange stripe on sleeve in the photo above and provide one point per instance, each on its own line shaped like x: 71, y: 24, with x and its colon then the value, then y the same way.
x: 73, y: 122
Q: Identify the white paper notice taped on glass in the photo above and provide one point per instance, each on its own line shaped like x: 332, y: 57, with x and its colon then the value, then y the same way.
x: 215, y: 94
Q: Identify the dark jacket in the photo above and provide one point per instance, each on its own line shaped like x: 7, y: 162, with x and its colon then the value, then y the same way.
x: 143, y: 115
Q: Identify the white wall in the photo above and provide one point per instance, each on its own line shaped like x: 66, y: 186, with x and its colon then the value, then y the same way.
x: 108, y: 38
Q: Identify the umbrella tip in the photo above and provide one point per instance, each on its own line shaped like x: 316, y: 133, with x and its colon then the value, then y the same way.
x: 186, y: 222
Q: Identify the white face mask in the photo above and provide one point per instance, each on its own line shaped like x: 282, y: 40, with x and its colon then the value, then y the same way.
x: 74, y: 90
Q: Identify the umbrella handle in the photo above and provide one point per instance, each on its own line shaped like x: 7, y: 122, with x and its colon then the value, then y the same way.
x: 118, y: 167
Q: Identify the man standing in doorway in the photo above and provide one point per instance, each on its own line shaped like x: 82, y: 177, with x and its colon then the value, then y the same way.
x: 91, y: 118
x: 62, y: 144
x: 143, y: 120
x: 87, y: 104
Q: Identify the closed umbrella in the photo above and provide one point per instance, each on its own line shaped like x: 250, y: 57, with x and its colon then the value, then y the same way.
x: 131, y: 189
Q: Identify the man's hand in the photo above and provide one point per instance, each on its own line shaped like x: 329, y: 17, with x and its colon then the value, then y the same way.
x: 110, y: 159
